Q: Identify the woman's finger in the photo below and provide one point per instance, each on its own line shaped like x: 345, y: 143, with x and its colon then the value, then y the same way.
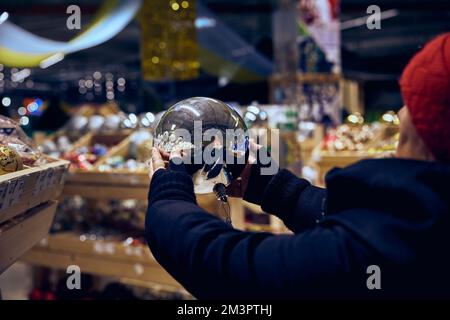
x: 157, y: 161
x: 150, y: 169
x: 165, y: 155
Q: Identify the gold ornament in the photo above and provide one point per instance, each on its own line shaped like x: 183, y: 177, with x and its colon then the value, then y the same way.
x: 10, y: 160
x: 169, y: 48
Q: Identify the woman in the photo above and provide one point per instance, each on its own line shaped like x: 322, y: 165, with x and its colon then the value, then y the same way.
x: 384, y: 216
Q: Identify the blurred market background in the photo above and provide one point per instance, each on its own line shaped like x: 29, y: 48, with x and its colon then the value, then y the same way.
x: 373, y: 58
x: 311, y: 68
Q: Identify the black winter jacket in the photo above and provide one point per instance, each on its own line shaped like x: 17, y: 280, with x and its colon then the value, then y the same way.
x: 390, y: 213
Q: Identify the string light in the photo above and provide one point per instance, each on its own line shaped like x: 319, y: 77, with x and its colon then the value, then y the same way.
x: 97, y: 75
x: 89, y: 83
x: 24, y: 120
x: 6, y: 101
x: 22, y: 111
x: 110, y: 95
x: 109, y: 84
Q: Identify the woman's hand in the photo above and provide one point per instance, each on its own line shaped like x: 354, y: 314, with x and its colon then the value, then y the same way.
x: 156, y: 163
x: 160, y: 160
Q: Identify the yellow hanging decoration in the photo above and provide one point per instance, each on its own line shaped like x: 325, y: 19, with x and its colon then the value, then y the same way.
x: 169, y: 47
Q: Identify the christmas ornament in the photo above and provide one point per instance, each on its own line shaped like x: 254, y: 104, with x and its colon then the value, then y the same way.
x: 10, y: 161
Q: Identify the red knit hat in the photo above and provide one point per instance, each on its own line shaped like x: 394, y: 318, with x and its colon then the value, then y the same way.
x: 425, y: 86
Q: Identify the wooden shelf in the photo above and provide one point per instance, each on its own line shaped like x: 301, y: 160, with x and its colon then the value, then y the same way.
x: 20, y: 234
x: 103, y: 258
x: 97, y: 185
x: 107, y: 185
x: 327, y: 160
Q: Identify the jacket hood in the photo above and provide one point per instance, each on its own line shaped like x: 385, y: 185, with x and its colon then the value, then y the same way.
x: 399, y: 207
x: 418, y: 186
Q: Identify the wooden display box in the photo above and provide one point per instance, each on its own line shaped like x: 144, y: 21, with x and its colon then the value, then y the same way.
x: 40, y: 137
x: 375, y: 148
x: 20, y: 234
x: 25, y: 189
x: 119, y: 184
x: 111, y: 140
x: 325, y: 160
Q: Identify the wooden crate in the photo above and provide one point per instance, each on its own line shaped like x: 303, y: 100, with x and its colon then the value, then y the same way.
x: 40, y: 137
x: 388, y: 132
x: 111, y: 140
x: 121, y: 149
x: 25, y: 189
x: 21, y: 233
x: 325, y: 160
x: 125, y: 180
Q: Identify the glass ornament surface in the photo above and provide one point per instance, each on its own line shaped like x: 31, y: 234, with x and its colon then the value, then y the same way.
x: 212, y: 137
